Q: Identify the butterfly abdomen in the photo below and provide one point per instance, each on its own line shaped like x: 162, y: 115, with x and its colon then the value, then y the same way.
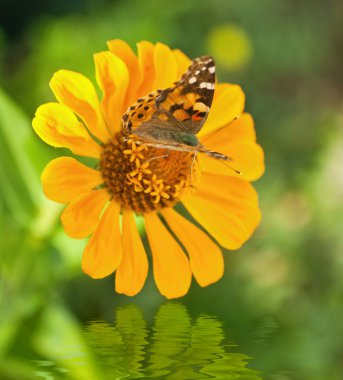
x: 218, y: 156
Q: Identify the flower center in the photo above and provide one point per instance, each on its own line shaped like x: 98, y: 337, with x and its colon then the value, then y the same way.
x: 145, y: 178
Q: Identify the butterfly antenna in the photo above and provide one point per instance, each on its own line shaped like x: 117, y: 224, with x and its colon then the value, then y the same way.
x: 230, y: 167
x: 219, y: 129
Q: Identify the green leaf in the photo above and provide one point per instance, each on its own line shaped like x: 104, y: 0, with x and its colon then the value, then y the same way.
x: 20, y: 188
x: 22, y: 158
x: 60, y: 339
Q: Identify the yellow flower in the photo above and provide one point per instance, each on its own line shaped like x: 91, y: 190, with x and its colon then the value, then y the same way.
x: 130, y: 178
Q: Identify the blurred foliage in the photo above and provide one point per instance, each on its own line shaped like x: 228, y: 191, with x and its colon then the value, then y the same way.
x: 280, y: 298
x: 231, y: 35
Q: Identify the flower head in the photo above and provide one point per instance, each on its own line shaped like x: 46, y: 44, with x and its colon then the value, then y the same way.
x: 132, y: 177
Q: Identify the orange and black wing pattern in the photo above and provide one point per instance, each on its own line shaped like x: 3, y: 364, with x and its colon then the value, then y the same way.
x: 189, y: 100
x: 170, y: 118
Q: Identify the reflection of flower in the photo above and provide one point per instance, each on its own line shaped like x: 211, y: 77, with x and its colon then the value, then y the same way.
x: 223, y: 202
x: 175, y: 347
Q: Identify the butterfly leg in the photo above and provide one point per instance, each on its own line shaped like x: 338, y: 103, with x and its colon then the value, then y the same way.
x: 192, y: 165
x: 155, y: 158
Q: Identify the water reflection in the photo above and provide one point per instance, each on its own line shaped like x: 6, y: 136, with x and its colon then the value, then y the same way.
x: 175, y: 346
x: 265, y: 329
x: 120, y: 347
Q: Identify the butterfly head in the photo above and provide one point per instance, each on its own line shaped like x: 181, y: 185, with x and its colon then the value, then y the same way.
x: 189, y: 139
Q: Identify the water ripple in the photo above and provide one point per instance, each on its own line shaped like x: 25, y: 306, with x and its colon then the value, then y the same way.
x: 174, y: 346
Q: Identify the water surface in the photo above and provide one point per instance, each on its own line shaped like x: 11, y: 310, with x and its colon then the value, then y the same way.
x: 173, y: 345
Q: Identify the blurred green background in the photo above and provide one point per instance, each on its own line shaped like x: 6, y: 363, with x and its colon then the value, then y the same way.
x: 277, y: 313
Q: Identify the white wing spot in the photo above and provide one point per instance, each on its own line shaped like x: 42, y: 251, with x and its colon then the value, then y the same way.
x: 212, y: 69
x: 192, y: 80
x: 197, y: 72
x: 203, y: 68
x: 208, y: 85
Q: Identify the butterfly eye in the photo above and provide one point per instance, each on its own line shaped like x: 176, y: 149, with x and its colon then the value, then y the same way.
x: 189, y: 139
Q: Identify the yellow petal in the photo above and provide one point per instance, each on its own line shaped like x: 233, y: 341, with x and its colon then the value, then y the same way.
x: 227, y: 229
x: 146, y: 67
x: 240, y: 129
x: 133, y: 269
x: 81, y: 217
x: 112, y: 76
x: 171, y: 267
x: 235, y: 196
x: 57, y: 125
x: 78, y: 93
x: 247, y: 157
x: 124, y: 52
x: 103, y: 252
x: 206, y: 258
x: 228, y: 103
x: 65, y: 178
x: 165, y: 67
x: 183, y: 62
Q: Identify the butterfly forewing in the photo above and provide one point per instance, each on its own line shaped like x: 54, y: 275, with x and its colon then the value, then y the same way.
x: 189, y: 100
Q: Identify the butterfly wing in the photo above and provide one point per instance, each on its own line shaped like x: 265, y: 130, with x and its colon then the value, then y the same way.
x: 160, y: 118
x: 189, y: 100
x: 143, y: 111
x: 181, y: 108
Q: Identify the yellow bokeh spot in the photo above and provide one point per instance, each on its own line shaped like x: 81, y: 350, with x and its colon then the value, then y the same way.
x: 230, y: 46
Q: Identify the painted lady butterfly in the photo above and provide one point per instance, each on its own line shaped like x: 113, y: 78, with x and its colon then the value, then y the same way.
x: 171, y: 118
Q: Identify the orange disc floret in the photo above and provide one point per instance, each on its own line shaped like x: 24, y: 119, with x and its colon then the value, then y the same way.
x: 145, y: 179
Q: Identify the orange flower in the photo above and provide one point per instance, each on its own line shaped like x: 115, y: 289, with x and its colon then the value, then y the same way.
x: 128, y: 180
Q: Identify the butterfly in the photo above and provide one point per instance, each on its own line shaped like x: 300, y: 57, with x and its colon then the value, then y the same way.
x: 171, y: 118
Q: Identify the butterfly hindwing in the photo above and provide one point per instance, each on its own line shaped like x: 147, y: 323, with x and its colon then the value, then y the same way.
x: 141, y: 112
